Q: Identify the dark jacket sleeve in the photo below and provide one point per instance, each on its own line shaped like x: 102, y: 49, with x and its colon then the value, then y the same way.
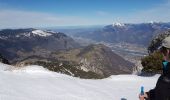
x: 151, y: 95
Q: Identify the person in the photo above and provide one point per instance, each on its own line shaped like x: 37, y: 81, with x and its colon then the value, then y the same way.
x: 162, y: 89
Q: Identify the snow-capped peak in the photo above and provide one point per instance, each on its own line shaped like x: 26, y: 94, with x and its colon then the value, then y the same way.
x: 41, y: 33
x: 152, y: 22
x: 118, y: 24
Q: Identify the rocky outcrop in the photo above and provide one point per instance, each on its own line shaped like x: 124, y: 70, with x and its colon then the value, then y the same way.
x: 3, y: 60
x: 157, y: 41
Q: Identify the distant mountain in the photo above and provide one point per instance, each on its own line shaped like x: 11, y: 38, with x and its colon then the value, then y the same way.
x: 129, y: 33
x: 21, y: 43
x: 93, y: 61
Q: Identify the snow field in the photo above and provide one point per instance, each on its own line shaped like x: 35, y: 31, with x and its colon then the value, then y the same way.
x: 36, y: 83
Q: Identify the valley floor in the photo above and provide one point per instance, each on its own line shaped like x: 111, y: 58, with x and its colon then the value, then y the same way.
x: 37, y: 83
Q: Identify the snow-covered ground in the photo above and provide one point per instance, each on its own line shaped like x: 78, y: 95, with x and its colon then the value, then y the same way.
x: 37, y: 83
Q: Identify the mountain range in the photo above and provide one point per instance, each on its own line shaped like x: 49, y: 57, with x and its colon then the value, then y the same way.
x: 21, y: 43
x: 60, y: 53
x: 93, y: 61
x: 140, y: 33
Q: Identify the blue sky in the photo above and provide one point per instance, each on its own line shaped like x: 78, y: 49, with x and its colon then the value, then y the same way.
x: 47, y: 13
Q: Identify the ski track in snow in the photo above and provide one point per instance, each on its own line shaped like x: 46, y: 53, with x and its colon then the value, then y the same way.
x: 37, y: 83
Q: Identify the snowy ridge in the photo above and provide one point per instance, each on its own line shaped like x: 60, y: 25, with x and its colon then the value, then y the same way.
x: 17, y: 85
x: 130, y: 77
x: 41, y: 33
x: 3, y: 37
x: 118, y: 24
x: 4, y: 67
x: 31, y: 69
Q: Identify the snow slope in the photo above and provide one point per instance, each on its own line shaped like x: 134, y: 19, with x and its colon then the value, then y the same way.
x: 37, y: 83
x: 118, y: 24
x: 41, y: 33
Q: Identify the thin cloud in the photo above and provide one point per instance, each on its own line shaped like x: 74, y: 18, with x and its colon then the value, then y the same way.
x: 102, y: 13
x: 20, y: 19
x: 159, y: 13
x: 15, y: 18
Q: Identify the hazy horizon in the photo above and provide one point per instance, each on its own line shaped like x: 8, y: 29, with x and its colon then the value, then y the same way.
x: 63, y: 13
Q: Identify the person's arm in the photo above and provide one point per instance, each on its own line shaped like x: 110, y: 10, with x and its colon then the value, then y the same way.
x: 143, y: 97
x: 148, y: 95
x: 151, y: 95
